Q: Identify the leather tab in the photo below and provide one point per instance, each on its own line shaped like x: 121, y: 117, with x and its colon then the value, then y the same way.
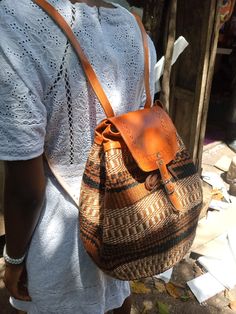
x: 168, y: 185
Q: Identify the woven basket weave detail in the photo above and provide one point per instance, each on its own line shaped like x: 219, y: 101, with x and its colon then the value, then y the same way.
x: 133, y: 232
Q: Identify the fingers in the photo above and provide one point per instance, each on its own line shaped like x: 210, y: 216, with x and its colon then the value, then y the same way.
x: 17, y: 292
x: 15, y: 282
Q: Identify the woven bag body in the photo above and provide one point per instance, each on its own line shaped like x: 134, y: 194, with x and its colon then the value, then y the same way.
x: 128, y: 223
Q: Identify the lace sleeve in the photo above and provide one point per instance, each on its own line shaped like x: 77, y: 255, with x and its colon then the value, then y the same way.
x: 22, y: 117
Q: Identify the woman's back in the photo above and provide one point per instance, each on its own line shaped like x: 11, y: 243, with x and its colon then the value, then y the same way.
x: 46, y: 104
x: 49, y: 67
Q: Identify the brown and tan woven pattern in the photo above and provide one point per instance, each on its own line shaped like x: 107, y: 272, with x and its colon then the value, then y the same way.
x: 130, y: 231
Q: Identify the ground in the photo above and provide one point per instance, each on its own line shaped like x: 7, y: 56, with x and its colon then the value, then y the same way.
x: 153, y: 296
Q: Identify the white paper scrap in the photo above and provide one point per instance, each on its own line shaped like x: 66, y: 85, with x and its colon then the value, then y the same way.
x: 179, y: 46
x: 223, y: 163
x: 165, y: 276
x: 232, y: 242
x: 216, y: 182
x: 218, y: 205
x: 223, y: 270
x: 213, y: 179
x: 204, y: 287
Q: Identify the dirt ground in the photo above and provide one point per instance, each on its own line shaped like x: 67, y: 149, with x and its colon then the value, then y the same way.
x: 153, y: 296
x: 150, y: 303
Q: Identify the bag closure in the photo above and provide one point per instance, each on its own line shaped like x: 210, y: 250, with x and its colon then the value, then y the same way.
x: 149, y: 135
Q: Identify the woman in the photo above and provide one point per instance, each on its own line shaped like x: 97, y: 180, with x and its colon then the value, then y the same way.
x: 47, y: 106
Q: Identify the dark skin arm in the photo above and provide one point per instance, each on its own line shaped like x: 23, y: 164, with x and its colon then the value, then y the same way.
x: 24, y: 191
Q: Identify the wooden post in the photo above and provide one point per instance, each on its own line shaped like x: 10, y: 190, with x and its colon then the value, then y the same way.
x: 165, y: 92
x: 207, y: 92
x: 196, y: 21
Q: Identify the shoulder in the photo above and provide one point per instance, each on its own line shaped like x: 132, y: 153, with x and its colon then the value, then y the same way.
x: 21, y: 11
x: 31, y: 44
x: 19, y: 20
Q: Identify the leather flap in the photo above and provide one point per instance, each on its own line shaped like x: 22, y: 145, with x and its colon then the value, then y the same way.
x: 150, y: 136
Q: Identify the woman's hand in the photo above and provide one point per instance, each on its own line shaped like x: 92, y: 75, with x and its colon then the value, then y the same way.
x: 15, y: 279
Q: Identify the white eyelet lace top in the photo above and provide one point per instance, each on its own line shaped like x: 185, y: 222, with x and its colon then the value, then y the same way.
x: 47, y: 105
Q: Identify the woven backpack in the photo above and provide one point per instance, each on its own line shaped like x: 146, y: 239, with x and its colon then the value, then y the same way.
x: 141, y: 195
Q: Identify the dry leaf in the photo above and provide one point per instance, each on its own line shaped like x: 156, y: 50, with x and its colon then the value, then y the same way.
x: 232, y: 305
x: 178, y: 285
x: 171, y: 289
x: 217, y: 194
x: 160, y: 286
x: 148, y: 305
x: 229, y: 295
x: 162, y: 308
x: 139, y: 287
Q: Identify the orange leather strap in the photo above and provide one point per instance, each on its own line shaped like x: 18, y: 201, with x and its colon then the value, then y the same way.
x: 148, y: 103
x: 90, y: 74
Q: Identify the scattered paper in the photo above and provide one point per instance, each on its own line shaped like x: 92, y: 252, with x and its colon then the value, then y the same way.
x: 231, y: 236
x: 215, y: 248
x: 165, y: 276
x: 223, y: 163
x: 179, y: 46
x: 217, y: 183
x: 213, y: 225
x: 205, y: 287
x: 223, y: 270
x: 218, y: 205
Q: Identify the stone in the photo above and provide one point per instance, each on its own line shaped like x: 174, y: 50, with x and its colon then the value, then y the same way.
x: 232, y: 188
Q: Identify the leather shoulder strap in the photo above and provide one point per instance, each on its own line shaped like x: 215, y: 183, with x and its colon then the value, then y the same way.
x: 89, y: 72
x: 148, y: 103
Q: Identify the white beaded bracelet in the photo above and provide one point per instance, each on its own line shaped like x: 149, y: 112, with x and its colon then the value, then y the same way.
x: 14, y: 261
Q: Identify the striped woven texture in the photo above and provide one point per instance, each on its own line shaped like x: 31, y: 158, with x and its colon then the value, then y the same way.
x: 129, y: 231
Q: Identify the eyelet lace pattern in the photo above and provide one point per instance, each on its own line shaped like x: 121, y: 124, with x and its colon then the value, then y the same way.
x: 46, y: 103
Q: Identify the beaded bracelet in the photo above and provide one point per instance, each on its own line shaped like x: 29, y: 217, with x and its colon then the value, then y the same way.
x: 14, y: 261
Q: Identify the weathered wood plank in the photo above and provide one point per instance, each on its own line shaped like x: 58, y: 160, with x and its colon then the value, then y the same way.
x: 165, y: 91
x: 207, y: 91
x: 195, y: 21
x: 203, y: 81
x: 182, y: 93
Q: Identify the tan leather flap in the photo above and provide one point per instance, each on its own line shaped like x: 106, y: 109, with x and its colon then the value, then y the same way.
x: 150, y: 136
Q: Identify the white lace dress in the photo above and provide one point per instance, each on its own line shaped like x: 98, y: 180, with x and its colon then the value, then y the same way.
x: 46, y: 104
